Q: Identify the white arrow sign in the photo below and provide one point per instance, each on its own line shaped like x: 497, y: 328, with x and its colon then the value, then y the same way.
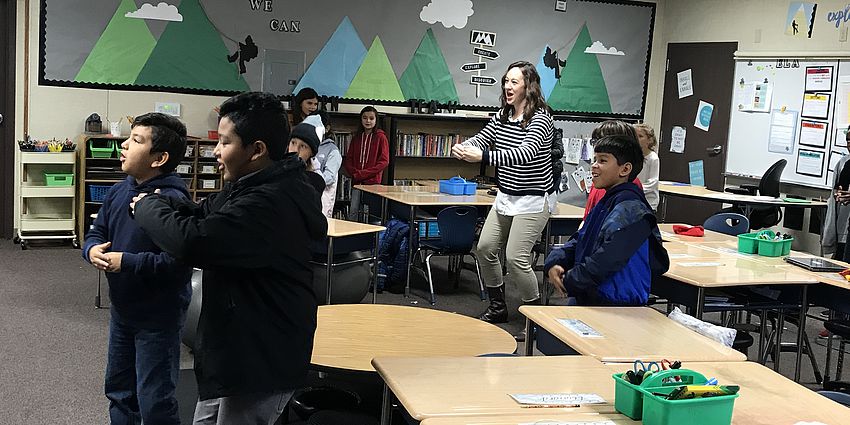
x: 475, y: 66
x: 482, y: 80
x: 484, y: 53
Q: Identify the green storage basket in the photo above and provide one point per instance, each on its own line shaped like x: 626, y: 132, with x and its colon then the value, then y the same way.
x: 58, y: 179
x: 628, y: 397
x: 704, y: 411
x: 747, y: 243
x: 771, y: 248
x: 101, y: 148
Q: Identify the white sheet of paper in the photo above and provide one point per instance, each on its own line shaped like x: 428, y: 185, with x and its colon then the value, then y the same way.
x: 783, y: 126
x: 578, y: 176
x: 842, y: 100
x: 677, y: 139
x: 568, y: 423
x: 699, y: 264
x: 678, y: 256
x: 816, y: 105
x: 813, y: 133
x: 579, y: 327
x: 705, y: 111
x: 573, y: 154
x: 558, y: 399
x: 819, y: 78
x: 810, y: 162
x: 686, y: 83
x: 754, y: 97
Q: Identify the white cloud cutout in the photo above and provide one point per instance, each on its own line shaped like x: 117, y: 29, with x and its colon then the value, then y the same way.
x: 161, y: 12
x: 598, y: 48
x: 450, y: 13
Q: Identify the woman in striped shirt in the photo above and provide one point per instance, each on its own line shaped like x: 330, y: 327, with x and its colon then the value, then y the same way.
x: 517, y: 141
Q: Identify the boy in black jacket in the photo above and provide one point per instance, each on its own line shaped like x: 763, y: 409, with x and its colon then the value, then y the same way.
x: 258, y: 316
x: 149, y: 290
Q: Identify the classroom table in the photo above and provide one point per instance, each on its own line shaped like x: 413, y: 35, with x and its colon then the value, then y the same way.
x: 748, y: 202
x: 768, y: 398
x: 341, y: 229
x: 480, y: 386
x: 540, y: 416
x: 667, y: 234
x: 563, y: 222
x: 628, y: 334
x: 348, y: 336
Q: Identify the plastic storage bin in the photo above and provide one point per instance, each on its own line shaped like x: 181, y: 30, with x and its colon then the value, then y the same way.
x: 429, y: 229
x: 748, y: 243
x: 97, y: 192
x: 771, y: 248
x: 458, y: 186
x: 102, y: 148
x: 704, y: 411
x: 58, y: 179
x: 628, y: 398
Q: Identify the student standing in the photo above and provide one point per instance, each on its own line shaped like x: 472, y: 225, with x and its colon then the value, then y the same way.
x: 648, y: 176
x: 367, y: 157
x: 305, y: 102
x: 258, y: 317
x: 304, y: 142
x: 607, y: 128
x: 149, y: 289
x: 611, y: 260
x: 835, y: 230
x: 329, y: 160
x: 522, y: 135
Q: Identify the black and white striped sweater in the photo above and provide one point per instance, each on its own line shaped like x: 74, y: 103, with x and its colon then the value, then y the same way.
x: 520, y: 155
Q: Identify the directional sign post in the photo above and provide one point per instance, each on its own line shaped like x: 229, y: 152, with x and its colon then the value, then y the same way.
x: 482, y: 80
x: 475, y: 66
x: 485, y: 53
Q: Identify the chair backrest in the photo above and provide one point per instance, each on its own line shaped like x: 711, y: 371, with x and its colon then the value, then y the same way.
x: 457, y: 228
x: 728, y: 223
x: 840, y: 398
x: 769, y: 184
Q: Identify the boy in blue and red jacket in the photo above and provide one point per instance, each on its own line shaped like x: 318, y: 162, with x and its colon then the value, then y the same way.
x: 149, y: 289
x: 611, y: 260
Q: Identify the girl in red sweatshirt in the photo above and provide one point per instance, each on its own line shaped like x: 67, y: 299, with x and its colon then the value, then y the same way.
x: 366, y: 157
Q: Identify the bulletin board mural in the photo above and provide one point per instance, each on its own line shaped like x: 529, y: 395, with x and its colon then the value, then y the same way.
x: 592, y: 56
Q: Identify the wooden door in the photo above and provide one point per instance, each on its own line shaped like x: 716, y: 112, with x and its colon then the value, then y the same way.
x: 7, y: 115
x: 712, y: 68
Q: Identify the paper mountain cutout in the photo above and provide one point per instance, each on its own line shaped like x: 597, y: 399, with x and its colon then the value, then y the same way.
x: 581, y: 87
x: 547, y: 74
x: 336, y: 64
x: 427, y: 76
x: 120, y: 52
x: 194, y: 47
x: 375, y: 79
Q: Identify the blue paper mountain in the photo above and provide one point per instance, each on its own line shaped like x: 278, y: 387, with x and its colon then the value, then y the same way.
x: 336, y: 64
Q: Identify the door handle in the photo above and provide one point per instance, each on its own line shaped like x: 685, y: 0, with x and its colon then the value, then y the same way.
x: 714, y: 150
x: 1, y: 118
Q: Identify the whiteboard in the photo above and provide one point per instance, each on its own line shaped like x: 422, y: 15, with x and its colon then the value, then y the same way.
x: 747, y: 151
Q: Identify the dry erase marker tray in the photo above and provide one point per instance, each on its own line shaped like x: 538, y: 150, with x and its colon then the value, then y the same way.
x: 648, y: 401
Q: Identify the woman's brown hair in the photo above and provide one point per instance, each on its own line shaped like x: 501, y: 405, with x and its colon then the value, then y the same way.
x: 534, y: 100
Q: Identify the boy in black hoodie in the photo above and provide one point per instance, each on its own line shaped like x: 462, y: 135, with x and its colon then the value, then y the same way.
x: 149, y: 289
x: 258, y: 316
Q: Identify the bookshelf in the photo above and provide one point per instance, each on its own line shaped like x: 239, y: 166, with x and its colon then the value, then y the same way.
x: 100, y: 168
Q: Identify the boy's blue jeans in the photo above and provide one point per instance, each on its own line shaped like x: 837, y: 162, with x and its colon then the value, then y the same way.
x: 141, y: 373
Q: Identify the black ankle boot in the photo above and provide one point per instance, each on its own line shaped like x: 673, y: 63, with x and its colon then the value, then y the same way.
x: 521, y: 336
x: 497, y: 312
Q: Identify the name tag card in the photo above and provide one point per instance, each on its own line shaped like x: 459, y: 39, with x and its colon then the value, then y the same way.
x: 557, y: 399
x: 581, y: 328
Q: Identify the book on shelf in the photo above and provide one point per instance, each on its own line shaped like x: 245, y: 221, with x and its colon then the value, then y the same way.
x: 343, y: 188
x: 343, y: 141
x: 423, y: 144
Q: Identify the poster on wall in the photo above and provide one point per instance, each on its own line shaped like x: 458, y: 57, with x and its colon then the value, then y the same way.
x: 591, y: 60
x: 816, y: 105
x: 783, y: 128
x: 813, y: 133
x: 818, y: 78
x: 810, y: 163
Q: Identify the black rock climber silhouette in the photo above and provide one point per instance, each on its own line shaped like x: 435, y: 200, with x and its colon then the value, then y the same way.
x: 550, y: 59
x: 794, y: 26
x: 246, y: 52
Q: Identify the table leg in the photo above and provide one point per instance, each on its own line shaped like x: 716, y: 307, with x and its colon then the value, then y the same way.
x: 529, y: 337
x: 384, y: 209
x: 700, y: 303
x: 375, y: 268
x: 664, y: 200
x: 386, y: 407
x: 762, y: 333
x: 804, y: 306
x: 329, y: 268
x: 777, y: 347
x: 412, y: 222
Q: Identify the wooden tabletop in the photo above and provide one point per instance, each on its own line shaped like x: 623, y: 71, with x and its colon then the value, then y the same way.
x: 731, y: 271
x: 348, y: 336
x: 699, y: 192
x: 341, y: 228
x: 768, y: 398
x: 424, y: 198
x: 567, y: 211
x: 710, y: 236
x: 629, y: 334
x: 541, y: 416
x: 471, y: 386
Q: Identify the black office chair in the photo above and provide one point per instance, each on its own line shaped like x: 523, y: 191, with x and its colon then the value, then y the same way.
x: 762, y: 217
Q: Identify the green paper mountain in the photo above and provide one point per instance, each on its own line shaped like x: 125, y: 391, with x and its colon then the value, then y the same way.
x: 121, y: 51
x: 375, y: 79
x: 190, y: 54
x: 581, y: 86
x: 427, y: 76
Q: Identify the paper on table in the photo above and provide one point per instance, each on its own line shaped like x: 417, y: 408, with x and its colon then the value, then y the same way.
x: 568, y: 423
x: 675, y: 256
x: 581, y: 328
x: 558, y: 399
x: 700, y: 264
